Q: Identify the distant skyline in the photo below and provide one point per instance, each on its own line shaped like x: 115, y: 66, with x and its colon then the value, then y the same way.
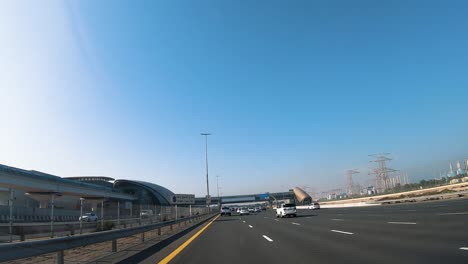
x: 294, y: 93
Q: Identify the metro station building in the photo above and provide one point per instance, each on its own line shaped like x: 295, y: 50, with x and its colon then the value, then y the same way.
x: 32, y: 192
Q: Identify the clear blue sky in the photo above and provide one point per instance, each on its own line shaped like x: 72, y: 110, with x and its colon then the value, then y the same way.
x: 294, y: 92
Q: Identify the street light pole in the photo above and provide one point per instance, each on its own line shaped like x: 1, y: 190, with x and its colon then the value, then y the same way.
x: 217, y: 187
x: 206, y: 156
x: 10, y: 219
x: 52, y: 205
x: 81, y: 215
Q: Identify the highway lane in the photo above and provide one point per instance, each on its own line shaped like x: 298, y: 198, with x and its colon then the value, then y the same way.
x: 430, y: 232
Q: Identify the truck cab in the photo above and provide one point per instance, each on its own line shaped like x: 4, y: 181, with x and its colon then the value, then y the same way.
x: 288, y: 209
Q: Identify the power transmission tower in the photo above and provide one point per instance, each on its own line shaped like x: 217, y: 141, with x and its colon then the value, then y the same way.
x: 381, y: 172
x: 349, y: 179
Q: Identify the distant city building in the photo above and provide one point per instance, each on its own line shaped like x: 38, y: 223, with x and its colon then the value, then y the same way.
x: 451, y: 173
x: 371, y: 190
x: 343, y: 196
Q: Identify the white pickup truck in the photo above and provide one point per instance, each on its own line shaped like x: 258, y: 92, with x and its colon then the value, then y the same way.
x: 288, y: 209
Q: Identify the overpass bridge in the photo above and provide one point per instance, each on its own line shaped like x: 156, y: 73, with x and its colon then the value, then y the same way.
x: 250, y: 198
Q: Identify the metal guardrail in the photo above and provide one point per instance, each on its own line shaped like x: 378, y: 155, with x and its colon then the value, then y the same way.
x: 19, y: 250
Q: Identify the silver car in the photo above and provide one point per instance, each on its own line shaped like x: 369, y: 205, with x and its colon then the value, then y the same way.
x: 314, y: 206
x: 89, y: 217
x: 243, y: 211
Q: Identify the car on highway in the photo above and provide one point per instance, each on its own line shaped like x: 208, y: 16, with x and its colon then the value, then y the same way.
x: 258, y: 209
x: 243, y: 211
x: 225, y: 211
x: 251, y: 210
x: 146, y: 213
x: 314, y: 206
x: 88, y: 217
x: 288, y: 209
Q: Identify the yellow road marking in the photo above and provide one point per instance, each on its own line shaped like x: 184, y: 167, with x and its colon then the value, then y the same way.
x: 185, y: 244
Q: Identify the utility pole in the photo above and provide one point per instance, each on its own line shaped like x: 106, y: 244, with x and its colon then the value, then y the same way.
x: 350, y: 183
x: 382, y: 172
x: 208, y: 199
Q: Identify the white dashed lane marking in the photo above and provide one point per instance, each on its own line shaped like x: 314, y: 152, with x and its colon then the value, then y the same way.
x: 401, y: 223
x: 342, y: 232
x: 460, y: 213
x: 267, y: 238
x: 250, y: 226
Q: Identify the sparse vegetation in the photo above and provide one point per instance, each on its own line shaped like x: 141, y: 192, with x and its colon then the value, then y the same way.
x: 108, y: 225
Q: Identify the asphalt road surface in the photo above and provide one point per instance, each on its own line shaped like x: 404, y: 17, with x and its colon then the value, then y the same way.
x: 429, y: 232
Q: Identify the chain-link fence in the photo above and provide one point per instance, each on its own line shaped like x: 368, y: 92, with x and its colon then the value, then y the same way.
x: 27, y: 223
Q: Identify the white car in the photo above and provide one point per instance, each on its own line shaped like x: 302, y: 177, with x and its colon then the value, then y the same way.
x: 243, y: 211
x: 314, y: 206
x: 146, y: 213
x: 225, y: 211
x: 251, y: 210
x: 89, y: 217
x: 286, y: 210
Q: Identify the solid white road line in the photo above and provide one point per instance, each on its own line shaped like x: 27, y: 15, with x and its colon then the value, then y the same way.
x: 336, y: 219
x: 250, y: 226
x: 460, y: 213
x: 295, y: 223
x: 342, y: 232
x: 267, y: 238
x: 464, y: 248
x: 401, y: 223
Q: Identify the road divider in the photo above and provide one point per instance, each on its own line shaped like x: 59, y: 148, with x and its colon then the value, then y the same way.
x: 340, y: 205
